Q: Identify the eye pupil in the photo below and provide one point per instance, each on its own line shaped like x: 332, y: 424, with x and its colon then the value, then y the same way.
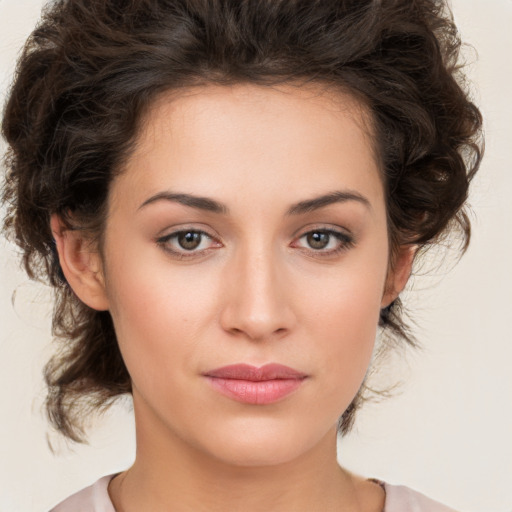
x: 189, y: 240
x: 318, y: 240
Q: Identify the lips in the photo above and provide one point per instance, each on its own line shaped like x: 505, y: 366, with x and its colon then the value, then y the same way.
x: 251, y: 385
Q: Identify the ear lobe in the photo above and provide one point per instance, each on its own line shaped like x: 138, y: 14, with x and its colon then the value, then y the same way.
x: 81, y: 264
x: 398, y: 275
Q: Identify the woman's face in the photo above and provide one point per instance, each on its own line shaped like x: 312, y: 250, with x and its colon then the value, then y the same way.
x: 248, y: 228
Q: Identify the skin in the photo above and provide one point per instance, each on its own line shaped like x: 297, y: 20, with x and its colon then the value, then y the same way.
x: 255, y: 290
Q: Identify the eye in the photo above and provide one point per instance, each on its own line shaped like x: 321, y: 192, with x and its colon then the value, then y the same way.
x: 187, y: 242
x: 318, y: 239
x: 325, y: 242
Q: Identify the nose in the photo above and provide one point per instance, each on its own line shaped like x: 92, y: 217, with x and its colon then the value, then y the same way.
x: 256, y: 301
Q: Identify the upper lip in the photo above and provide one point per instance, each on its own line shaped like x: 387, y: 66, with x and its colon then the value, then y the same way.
x: 271, y: 371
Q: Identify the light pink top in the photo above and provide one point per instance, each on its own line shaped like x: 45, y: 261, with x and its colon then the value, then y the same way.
x: 95, y: 498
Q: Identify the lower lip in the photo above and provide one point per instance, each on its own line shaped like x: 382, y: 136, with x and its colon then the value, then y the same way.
x: 255, y: 392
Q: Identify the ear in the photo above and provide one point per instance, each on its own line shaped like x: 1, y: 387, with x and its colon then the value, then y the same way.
x: 398, y: 274
x: 81, y: 264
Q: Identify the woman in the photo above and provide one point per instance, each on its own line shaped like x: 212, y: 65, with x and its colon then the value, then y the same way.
x: 228, y: 198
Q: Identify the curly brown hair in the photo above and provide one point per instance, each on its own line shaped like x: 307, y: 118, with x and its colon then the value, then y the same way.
x: 91, y: 69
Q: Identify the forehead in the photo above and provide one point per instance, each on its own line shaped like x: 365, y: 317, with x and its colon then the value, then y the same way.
x: 314, y: 106
x: 212, y: 138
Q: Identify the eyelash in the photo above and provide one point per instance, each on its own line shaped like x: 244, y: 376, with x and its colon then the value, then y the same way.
x: 183, y: 253
x: 345, y: 242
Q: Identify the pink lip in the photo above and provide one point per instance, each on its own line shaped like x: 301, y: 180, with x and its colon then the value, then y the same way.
x: 249, y: 384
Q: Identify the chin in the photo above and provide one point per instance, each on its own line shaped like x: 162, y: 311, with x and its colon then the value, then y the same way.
x: 263, y: 443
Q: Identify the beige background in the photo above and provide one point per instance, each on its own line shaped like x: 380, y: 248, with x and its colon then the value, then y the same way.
x: 449, y: 434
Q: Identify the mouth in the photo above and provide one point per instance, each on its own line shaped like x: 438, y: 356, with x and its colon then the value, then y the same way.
x: 258, y: 386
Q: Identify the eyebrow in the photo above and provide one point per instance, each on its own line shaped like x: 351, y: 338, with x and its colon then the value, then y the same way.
x: 316, y: 203
x: 200, y: 203
x: 211, y: 205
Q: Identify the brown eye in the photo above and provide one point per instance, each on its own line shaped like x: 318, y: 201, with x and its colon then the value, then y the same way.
x: 318, y: 239
x: 189, y: 240
x: 324, y: 243
x: 188, y: 243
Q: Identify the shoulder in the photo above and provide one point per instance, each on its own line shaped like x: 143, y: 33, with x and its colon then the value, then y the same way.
x: 94, y: 498
x: 399, y: 498
x: 403, y: 499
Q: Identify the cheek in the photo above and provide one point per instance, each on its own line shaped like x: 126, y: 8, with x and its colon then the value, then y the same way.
x: 343, y: 321
x: 158, y: 316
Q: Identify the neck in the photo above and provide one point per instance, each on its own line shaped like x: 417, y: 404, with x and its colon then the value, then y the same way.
x: 170, y: 474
